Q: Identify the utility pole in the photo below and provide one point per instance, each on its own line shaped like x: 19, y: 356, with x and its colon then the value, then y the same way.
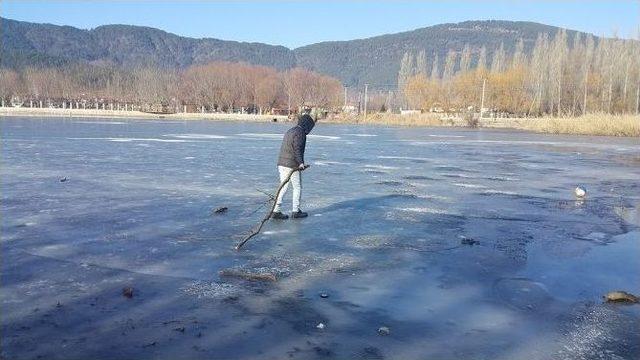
x: 366, y: 87
x: 484, y: 83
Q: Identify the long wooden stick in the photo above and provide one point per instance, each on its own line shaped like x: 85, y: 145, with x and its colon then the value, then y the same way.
x: 256, y: 230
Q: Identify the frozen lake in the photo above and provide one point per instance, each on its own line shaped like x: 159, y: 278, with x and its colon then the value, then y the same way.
x: 388, y: 209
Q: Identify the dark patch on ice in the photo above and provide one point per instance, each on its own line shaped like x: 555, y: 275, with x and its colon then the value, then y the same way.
x: 323, y: 351
x: 417, y: 177
x: 451, y: 168
x: 127, y: 292
x: 390, y: 183
x: 220, y: 210
x: 299, y: 313
x: 468, y: 241
x: 506, y: 195
x: 370, y: 353
x: 386, y: 242
x: 456, y: 176
x: 374, y: 172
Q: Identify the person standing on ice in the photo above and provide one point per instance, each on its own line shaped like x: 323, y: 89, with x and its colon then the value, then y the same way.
x: 292, y: 158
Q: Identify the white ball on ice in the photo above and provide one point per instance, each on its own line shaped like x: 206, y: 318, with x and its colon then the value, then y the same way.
x: 580, y: 192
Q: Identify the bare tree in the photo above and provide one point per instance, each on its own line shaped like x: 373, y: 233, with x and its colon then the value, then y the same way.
x: 10, y: 85
x: 465, y: 59
x: 435, y: 69
x: 482, y: 59
x: 449, y: 64
x: 421, y: 63
x: 499, y: 60
x: 519, y: 57
x: 406, y: 72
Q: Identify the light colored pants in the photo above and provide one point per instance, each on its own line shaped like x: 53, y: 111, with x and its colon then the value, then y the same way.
x: 296, y: 181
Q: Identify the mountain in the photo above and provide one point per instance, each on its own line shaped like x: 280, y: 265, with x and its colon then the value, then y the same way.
x: 374, y: 60
x: 26, y: 43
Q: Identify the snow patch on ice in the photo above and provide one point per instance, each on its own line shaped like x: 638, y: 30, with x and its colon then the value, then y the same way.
x: 403, y: 158
x: 499, y: 192
x: 273, y: 232
x: 432, y: 197
x: 270, y: 136
x: 101, y: 122
x: 471, y: 186
x: 425, y: 143
x: 503, y: 178
x: 324, y: 137
x: 52, y: 250
x: 210, y: 290
x: 426, y: 210
x: 465, y: 176
x: 380, y: 167
x: 124, y: 139
x: 196, y: 136
x: 447, y: 136
x: 275, y: 136
x: 327, y: 163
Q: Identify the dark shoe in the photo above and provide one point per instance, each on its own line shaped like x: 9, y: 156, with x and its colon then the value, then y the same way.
x: 279, y: 216
x: 299, y: 214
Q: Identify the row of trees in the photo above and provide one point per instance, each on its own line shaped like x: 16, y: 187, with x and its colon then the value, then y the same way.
x: 558, y: 76
x: 217, y: 86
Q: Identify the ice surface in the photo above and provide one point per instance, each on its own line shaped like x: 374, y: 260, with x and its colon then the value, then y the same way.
x: 389, y: 207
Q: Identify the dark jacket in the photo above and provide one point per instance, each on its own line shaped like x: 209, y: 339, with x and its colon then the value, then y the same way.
x: 293, y: 143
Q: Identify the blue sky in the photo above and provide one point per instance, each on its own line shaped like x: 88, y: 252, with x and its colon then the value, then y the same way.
x: 297, y: 23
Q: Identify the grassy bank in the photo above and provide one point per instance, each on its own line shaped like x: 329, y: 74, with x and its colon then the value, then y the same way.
x: 388, y: 119
x: 591, y: 124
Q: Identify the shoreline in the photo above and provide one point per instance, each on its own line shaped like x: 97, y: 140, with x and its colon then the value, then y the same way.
x: 590, y: 124
x: 88, y: 113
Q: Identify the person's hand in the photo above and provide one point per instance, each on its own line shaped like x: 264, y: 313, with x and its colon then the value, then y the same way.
x: 303, y: 166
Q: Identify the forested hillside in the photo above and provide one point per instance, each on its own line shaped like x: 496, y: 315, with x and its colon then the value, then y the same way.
x: 374, y: 60
x: 25, y: 44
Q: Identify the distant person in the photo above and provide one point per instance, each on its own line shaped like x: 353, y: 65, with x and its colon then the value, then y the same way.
x: 291, y: 158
